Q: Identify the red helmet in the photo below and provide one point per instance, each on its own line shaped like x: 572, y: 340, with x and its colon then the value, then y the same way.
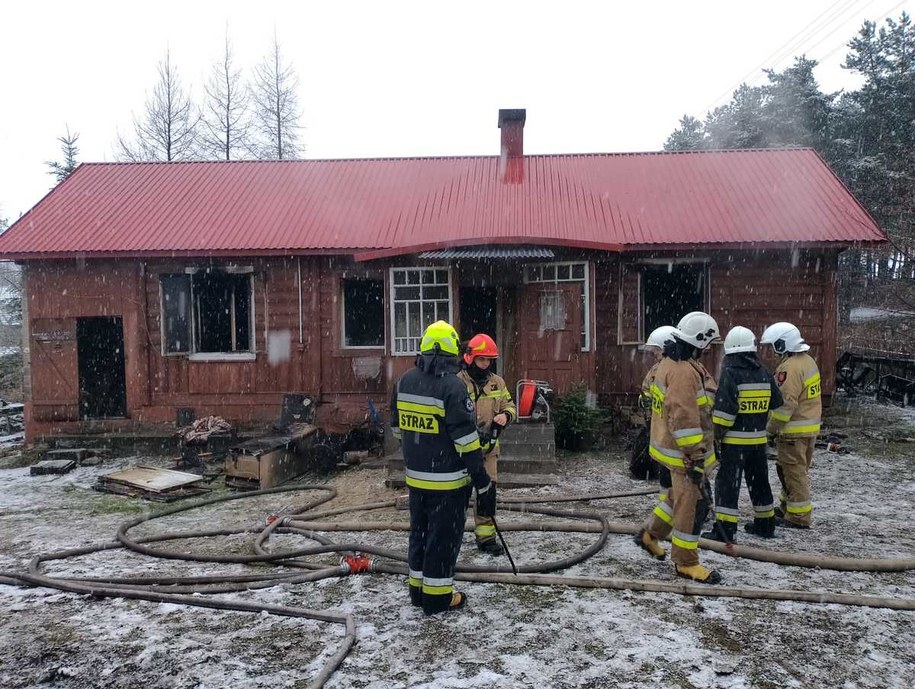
x: 480, y: 345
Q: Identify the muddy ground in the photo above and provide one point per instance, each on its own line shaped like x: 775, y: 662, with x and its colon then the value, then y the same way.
x: 509, y: 636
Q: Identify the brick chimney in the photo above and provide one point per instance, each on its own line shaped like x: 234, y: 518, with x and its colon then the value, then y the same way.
x: 511, y: 165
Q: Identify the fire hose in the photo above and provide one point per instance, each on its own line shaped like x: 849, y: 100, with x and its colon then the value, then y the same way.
x: 306, y: 522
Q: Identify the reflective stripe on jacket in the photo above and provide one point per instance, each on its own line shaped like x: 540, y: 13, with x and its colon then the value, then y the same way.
x: 798, y: 378
x: 746, y: 393
x: 435, y: 421
x: 681, y: 425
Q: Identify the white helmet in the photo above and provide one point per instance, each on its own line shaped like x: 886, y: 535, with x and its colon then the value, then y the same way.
x: 739, y: 339
x: 698, y: 329
x: 784, y: 337
x: 659, y: 337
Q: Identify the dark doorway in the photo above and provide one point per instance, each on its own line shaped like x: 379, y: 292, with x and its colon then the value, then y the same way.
x: 478, y: 312
x: 100, y: 352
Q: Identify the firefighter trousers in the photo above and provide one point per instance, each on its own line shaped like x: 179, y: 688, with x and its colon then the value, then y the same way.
x: 795, y: 457
x: 735, y: 463
x: 436, y: 531
x: 485, y: 527
x: 683, y: 512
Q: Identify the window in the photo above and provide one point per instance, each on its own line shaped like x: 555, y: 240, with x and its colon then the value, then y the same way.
x: 670, y: 291
x: 563, y: 272
x: 363, y: 313
x: 208, y: 312
x: 419, y: 296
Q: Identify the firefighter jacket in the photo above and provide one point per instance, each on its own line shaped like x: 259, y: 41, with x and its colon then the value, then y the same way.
x: 799, y: 414
x: 746, y: 393
x: 649, y: 379
x: 681, y: 423
x: 434, y: 419
x: 490, y: 399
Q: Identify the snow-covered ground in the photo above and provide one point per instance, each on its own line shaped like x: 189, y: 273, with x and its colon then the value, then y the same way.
x: 509, y: 636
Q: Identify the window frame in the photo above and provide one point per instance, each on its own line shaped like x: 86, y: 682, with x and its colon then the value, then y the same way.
x: 392, y: 306
x: 642, y: 264
x: 384, y: 338
x: 586, y: 292
x: 192, y: 354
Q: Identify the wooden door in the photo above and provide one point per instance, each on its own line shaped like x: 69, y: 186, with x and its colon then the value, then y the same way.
x: 550, y: 325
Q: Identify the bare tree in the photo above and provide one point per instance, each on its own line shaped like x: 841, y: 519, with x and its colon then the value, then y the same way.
x: 168, y: 128
x: 70, y: 150
x: 276, y: 107
x: 226, y: 130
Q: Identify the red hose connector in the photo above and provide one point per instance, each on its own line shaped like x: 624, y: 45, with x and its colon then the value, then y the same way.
x: 357, y: 563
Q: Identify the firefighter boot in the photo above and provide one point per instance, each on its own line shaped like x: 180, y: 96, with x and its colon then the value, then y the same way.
x: 650, y: 544
x: 698, y: 573
x: 721, y: 531
x: 416, y: 595
x: 764, y: 528
x: 490, y: 547
x: 458, y: 601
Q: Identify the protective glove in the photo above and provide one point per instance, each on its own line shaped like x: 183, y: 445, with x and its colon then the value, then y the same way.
x: 486, y: 501
x: 644, y: 402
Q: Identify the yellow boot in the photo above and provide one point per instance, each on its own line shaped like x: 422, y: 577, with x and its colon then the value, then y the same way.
x: 650, y: 544
x: 698, y: 573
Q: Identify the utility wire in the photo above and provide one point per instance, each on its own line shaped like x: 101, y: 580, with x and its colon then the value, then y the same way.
x: 790, y: 45
x: 876, y: 21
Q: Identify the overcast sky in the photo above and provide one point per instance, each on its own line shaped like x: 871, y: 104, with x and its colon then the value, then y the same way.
x: 407, y: 78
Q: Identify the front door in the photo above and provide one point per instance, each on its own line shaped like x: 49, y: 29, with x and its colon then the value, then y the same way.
x: 100, y: 357
x: 550, y: 320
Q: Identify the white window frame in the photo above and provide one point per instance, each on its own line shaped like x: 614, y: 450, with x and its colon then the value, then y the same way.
x: 585, y: 280
x: 191, y: 354
x: 393, y: 302
x: 654, y: 262
x: 343, y: 344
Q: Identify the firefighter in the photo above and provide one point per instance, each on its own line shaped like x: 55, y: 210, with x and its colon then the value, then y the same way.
x: 682, y: 442
x: 641, y: 465
x: 434, y: 419
x: 796, y: 422
x: 746, y: 392
x: 495, y: 410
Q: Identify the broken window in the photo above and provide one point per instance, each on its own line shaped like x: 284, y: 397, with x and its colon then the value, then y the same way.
x: 207, y: 312
x: 670, y: 291
x: 363, y: 313
x: 419, y: 297
x: 563, y: 272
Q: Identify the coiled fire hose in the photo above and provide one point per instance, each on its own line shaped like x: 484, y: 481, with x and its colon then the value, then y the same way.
x: 305, y: 522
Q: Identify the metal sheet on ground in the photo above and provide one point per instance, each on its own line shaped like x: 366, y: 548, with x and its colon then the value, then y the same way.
x: 152, y: 479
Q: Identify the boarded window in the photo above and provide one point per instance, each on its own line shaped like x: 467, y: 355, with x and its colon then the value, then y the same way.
x: 207, y: 312
x: 420, y: 296
x: 363, y: 313
x: 670, y: 291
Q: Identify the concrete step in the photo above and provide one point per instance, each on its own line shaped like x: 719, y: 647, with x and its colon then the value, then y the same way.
x: 506, y: 480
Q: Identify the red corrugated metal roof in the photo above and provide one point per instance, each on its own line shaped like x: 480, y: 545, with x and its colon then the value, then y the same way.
x: 386, y: 206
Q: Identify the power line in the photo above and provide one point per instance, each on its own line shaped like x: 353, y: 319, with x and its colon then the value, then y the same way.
x: 833, y: 13
x: 876, y: 21
x: 765, y: 62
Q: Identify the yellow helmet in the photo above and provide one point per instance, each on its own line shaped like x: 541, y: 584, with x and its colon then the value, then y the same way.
x: 442, y: 334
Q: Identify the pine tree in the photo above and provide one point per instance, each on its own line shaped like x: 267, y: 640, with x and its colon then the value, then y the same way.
x: 70, y: 150
x: 689, y: 136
